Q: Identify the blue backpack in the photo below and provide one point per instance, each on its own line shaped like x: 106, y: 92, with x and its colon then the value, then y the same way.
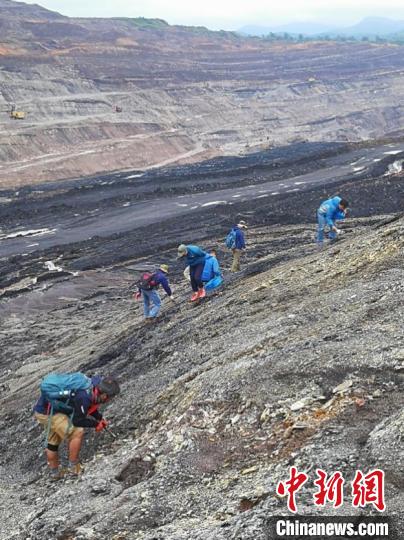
x: 231, y: 239
x: 57, y: 388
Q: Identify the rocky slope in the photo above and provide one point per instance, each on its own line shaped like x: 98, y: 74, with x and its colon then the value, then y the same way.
x: 299, y: 361
x: 185, y: 93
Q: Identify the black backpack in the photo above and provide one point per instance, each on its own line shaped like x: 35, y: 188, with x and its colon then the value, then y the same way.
x: 147, y: 281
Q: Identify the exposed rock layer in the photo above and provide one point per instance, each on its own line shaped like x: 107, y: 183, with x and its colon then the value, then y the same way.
x: 185, y: 93
x: 298, y: 362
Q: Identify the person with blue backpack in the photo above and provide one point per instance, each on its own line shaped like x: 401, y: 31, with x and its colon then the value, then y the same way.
x: 69, y: 403
x: 211, y: 276
x: 195, y: 259
x: 147, y: 289
x: 329, y: 212
x: 236, y: 242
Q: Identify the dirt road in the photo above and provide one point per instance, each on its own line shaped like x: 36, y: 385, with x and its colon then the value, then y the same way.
x: 111, y: 205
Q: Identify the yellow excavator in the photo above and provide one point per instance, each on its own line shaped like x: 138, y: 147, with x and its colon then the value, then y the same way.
x: 16, y: 115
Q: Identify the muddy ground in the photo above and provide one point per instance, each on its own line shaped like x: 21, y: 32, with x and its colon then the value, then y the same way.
x: 298, y: 361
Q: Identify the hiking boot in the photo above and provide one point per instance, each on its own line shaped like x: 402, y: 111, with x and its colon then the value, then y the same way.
x: 55, y: 476
x: 195, y: 296
x: 76, y: 469
x: 201, y: 293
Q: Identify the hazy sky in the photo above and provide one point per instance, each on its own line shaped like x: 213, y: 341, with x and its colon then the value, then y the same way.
x: 231, y: 14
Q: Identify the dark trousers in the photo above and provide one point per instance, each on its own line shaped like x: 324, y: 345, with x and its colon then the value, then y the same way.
x: 196, y: 274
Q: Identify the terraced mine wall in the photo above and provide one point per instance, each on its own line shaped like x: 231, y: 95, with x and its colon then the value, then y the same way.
x: 184, y: 95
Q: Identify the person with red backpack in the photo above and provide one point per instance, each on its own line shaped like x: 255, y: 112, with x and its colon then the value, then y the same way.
x: 147, y: 290
x: 68, y: 403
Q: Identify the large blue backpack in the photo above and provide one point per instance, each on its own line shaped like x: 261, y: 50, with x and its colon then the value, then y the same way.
x: 231, y: 239
x: 58, y: 388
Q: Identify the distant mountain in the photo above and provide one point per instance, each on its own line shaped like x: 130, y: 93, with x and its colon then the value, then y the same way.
x: 373, y: 26
x: 370, y: 27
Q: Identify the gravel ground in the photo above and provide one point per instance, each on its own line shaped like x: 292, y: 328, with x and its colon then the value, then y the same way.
x: 298, y: 361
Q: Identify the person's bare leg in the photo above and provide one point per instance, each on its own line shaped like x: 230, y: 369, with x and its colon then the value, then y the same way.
x: 52, y: 458
x: 74, y: 452
x: 75, y: 446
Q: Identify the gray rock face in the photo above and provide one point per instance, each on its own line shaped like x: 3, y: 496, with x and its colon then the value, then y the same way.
x: 207, y: 421
x: 227, y: 95
x: 386, y: 447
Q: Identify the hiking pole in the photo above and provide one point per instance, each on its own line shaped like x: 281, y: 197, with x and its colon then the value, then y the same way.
x: 113, y: 435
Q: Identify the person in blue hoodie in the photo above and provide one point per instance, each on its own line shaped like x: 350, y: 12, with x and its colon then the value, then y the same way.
x: 195, y: 259
x: 211, y: 275
x: 238, y: 244
x: 147, y: 289
x: 329, y: 212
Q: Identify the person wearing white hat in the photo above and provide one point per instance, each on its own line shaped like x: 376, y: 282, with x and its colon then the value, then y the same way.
x: 236, y: 242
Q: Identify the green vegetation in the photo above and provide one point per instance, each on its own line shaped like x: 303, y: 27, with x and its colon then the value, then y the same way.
x: 200, y: 30
x: 142, y: 22
x: 159, y: 24
x: 396, y: 39
x: 203, y: 31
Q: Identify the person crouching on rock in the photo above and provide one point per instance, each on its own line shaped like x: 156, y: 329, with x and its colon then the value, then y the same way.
x: 211, y: 275
x: 75, y: 408
x: 147, y: 289
x: 195, y: 258
x: 329, y: 212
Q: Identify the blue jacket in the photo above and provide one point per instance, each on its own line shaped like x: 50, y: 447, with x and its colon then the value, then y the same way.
x: 161, y: 278
x: 195, y: 255
x: 331, y: 211
x: 211, y: 269
x: 340, y: 215
x: 240, y: 241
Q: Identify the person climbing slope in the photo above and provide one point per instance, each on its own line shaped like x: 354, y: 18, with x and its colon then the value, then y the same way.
x: 236, y: 242
x: 195, y: 259
x: 211, y: 275
x: 68, y: 403
x: 148, y: 290
x: 329, y: 212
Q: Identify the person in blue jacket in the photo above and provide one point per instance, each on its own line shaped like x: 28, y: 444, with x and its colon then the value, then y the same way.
x: 148, y: 291
x: 195, y: 258
x: 239, y: 245
x: 329, y: 212
x: 211, y: 275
